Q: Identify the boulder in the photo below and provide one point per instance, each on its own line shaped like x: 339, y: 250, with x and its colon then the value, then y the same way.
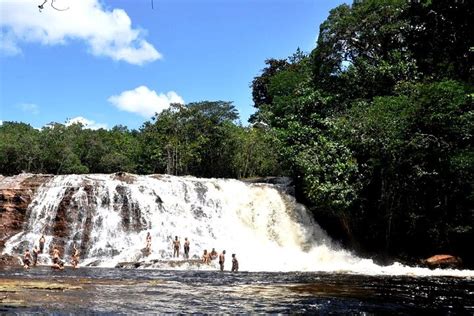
x: 443, y: 261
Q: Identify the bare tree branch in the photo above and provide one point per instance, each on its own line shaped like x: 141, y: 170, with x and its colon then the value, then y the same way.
x: 41, y: 6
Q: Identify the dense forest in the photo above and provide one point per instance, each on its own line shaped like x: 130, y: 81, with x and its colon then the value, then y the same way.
x: 374, y: 125
x: 200, y: 139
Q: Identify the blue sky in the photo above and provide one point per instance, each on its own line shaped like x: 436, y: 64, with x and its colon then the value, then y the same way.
x: 118, y: 61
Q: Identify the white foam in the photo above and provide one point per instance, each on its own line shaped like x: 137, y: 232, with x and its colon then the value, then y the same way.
x: 265, y: 227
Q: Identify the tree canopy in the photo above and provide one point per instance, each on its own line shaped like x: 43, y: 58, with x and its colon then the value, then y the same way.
x: 375, y: 124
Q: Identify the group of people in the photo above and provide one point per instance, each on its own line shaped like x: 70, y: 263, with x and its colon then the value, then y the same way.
x: 32, y: 260
x: 206, y: 256
x: 177, y: 246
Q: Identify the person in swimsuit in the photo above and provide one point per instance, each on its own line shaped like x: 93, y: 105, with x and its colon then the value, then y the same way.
x: 222, y: 260
x: 57, y: 263
x: 205, y: 257
x: 27, y: 259
x: 75, y: 257
x: 41, y: 243
x: 176, y: 245
x: 36, y: 251
x: 186, y: 248
x: 213, y: 254
x: 148, y: 243
x: 235, y: 263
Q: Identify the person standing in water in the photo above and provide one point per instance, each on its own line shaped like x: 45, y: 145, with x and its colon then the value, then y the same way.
x: 148, y: 243
x: 213, y: 254
x: 235, y: 263
x: 41, y: 243
x: 36, y: 251
x: 222, y: 260
x: 205, y: 257
x: 27, y: 259
x: 186, y: 248
x: 75, y: 256
x: 57, y: 263
x: 176, y: 246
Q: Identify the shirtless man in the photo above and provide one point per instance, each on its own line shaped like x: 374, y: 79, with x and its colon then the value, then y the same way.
x: 213, y: 254
x: 41, y: 243
x: 27, y: 259
x: 235, y: 263
x: 57, y: 263
x: 176, y: 245
x: 36, y: 251
x: 222, y: 260
x: 75, y: 257
x: 186, y: 248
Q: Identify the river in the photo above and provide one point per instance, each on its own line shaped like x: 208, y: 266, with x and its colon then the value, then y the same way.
x: 125, y: 291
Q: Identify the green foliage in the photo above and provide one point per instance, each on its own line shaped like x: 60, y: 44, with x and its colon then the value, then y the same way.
x: 416, y: 146
x: 255, y: 153
x: 200, y: 139
x: 19, y: 147
x: 376, y: 123
x: 326, y: 167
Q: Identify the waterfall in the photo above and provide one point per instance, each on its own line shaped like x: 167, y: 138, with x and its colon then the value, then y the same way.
x: 109, y: 216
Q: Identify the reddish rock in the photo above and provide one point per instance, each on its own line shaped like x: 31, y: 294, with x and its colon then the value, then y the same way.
x: 16, y: 194
x: 9, y: 261
x: 443, y: 261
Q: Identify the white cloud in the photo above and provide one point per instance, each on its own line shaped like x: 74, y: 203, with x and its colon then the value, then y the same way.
x: 30, y: 108
x: 144, y: 101
x: 88, y: 124
x: 107, y: 33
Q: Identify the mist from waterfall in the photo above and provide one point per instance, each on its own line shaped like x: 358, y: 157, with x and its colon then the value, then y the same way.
x: 108, y: 217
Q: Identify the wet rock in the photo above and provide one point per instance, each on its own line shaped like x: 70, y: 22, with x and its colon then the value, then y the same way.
x: 94, y: 263
x: 443, y: 261
x: 157, y: 263
x: 125, y: 177
x: 16, y: 193
x: 9, y: 261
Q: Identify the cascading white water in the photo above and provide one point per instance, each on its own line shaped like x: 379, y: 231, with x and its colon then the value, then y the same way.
x: 109, y: 217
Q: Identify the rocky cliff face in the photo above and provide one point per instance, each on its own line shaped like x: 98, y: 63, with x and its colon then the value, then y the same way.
x: 16, y: 194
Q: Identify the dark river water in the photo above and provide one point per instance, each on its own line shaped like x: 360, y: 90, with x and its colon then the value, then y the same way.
x: 123, y: 291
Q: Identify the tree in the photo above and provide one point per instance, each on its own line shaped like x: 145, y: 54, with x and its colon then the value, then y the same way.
x: 19, y: 148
